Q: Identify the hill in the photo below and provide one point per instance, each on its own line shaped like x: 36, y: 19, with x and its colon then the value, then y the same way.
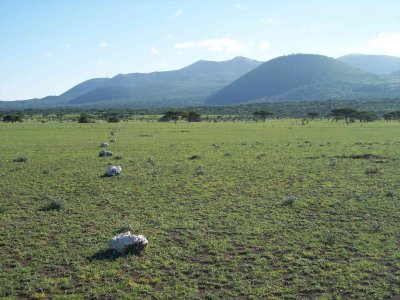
x: 301, y: 77
x: 376, y: 64
x: 193, y: 82
x: 187, y: 86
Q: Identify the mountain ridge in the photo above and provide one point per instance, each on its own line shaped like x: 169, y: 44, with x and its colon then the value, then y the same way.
x: 300, y: 77
x: 376, y: 64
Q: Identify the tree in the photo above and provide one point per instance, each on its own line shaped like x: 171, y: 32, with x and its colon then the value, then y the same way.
x: 173, y: 115
x: 263, y: 114
x: 393, y: 115
x: 193, y: 116
x: 346, y: 113
x: 84, y: 118
x: 365, y: 116
x: 313, y: 115
x: 113, y: 119
x: 12, y: 118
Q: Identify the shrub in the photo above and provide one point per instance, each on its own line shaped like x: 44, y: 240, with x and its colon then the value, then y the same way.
x: 194, y: 156
x: 21, y: 159
x: 288, y: 201
x: 12, y: 118
x: 113, y: 119
x: 200, y: 170
x: 390, y: 194
x: 56, y: 204
x: 371, y: 170
x: 150, y: 163
x: 84, y: 118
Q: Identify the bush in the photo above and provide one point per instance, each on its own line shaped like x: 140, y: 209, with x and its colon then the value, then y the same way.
x: 12, y: 118
x: 194, y: 156
x: 288, y: 201
x: 113, y: 119
x: 200, y: 170
x: 84, y: 118
x: 371, y: 170
x: 56, y: 204
x: 21, y: 159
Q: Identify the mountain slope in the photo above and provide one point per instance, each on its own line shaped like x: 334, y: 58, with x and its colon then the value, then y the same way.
x: 376, y: 64
x: 304, y: 77
x: 85, y: 87
x: 195, y: 81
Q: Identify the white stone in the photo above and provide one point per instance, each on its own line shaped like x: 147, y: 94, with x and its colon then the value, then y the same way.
x: 113, y: 140
x: 104, y: 153
x: 104, y: 145
x: 126, y: 241
x: 113, y: 170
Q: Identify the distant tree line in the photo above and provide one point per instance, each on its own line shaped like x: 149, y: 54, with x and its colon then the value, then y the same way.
x: 176, y: 115
x: 307, y: 110
x: 351, y: 114
x: 393, y: 115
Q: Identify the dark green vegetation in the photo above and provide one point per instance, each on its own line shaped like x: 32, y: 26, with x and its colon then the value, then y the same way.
x: 376, y: 64
x: 12, y: 118
x: 231, y: 210
x: 305, y: 77
x: 280, y: 110
x: 175, y: 115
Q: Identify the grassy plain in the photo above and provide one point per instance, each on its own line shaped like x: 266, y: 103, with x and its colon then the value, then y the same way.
x: 275, y: 210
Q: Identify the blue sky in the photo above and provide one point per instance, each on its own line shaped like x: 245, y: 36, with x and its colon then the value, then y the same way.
x: 48, y: 46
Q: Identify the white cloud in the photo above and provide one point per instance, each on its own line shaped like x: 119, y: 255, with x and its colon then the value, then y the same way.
x: 68, y: 45
x: 265, y: 45
x: 163, y: 65
x: 177, y: 14
x: 168, y: 36
x: 100, y: 63
x: 223, y: 44
x: 154, y: 50
x: 388, y: 42
x: 103, y: 44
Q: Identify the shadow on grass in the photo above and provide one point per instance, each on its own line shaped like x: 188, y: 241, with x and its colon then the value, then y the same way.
x: 108, y: 254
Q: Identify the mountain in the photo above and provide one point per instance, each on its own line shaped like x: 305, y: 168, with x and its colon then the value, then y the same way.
x: 85, y: 87
x: 187, y: 86
x: 376, y: 64
x: 192, y: 83
x: 301, y: 77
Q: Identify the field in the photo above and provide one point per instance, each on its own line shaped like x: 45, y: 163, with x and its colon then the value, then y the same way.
x: 231, y: 210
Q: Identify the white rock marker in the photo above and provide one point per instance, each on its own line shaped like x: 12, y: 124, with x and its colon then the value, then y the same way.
x: 103, y: 144
x: 126, y: 241
x: 113, y: 170
x: 105, y: 153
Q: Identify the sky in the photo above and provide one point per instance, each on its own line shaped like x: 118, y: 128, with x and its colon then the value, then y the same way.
x: 48, y: 46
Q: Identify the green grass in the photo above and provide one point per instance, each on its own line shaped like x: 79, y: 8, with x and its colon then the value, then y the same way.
x: 216, y: 224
